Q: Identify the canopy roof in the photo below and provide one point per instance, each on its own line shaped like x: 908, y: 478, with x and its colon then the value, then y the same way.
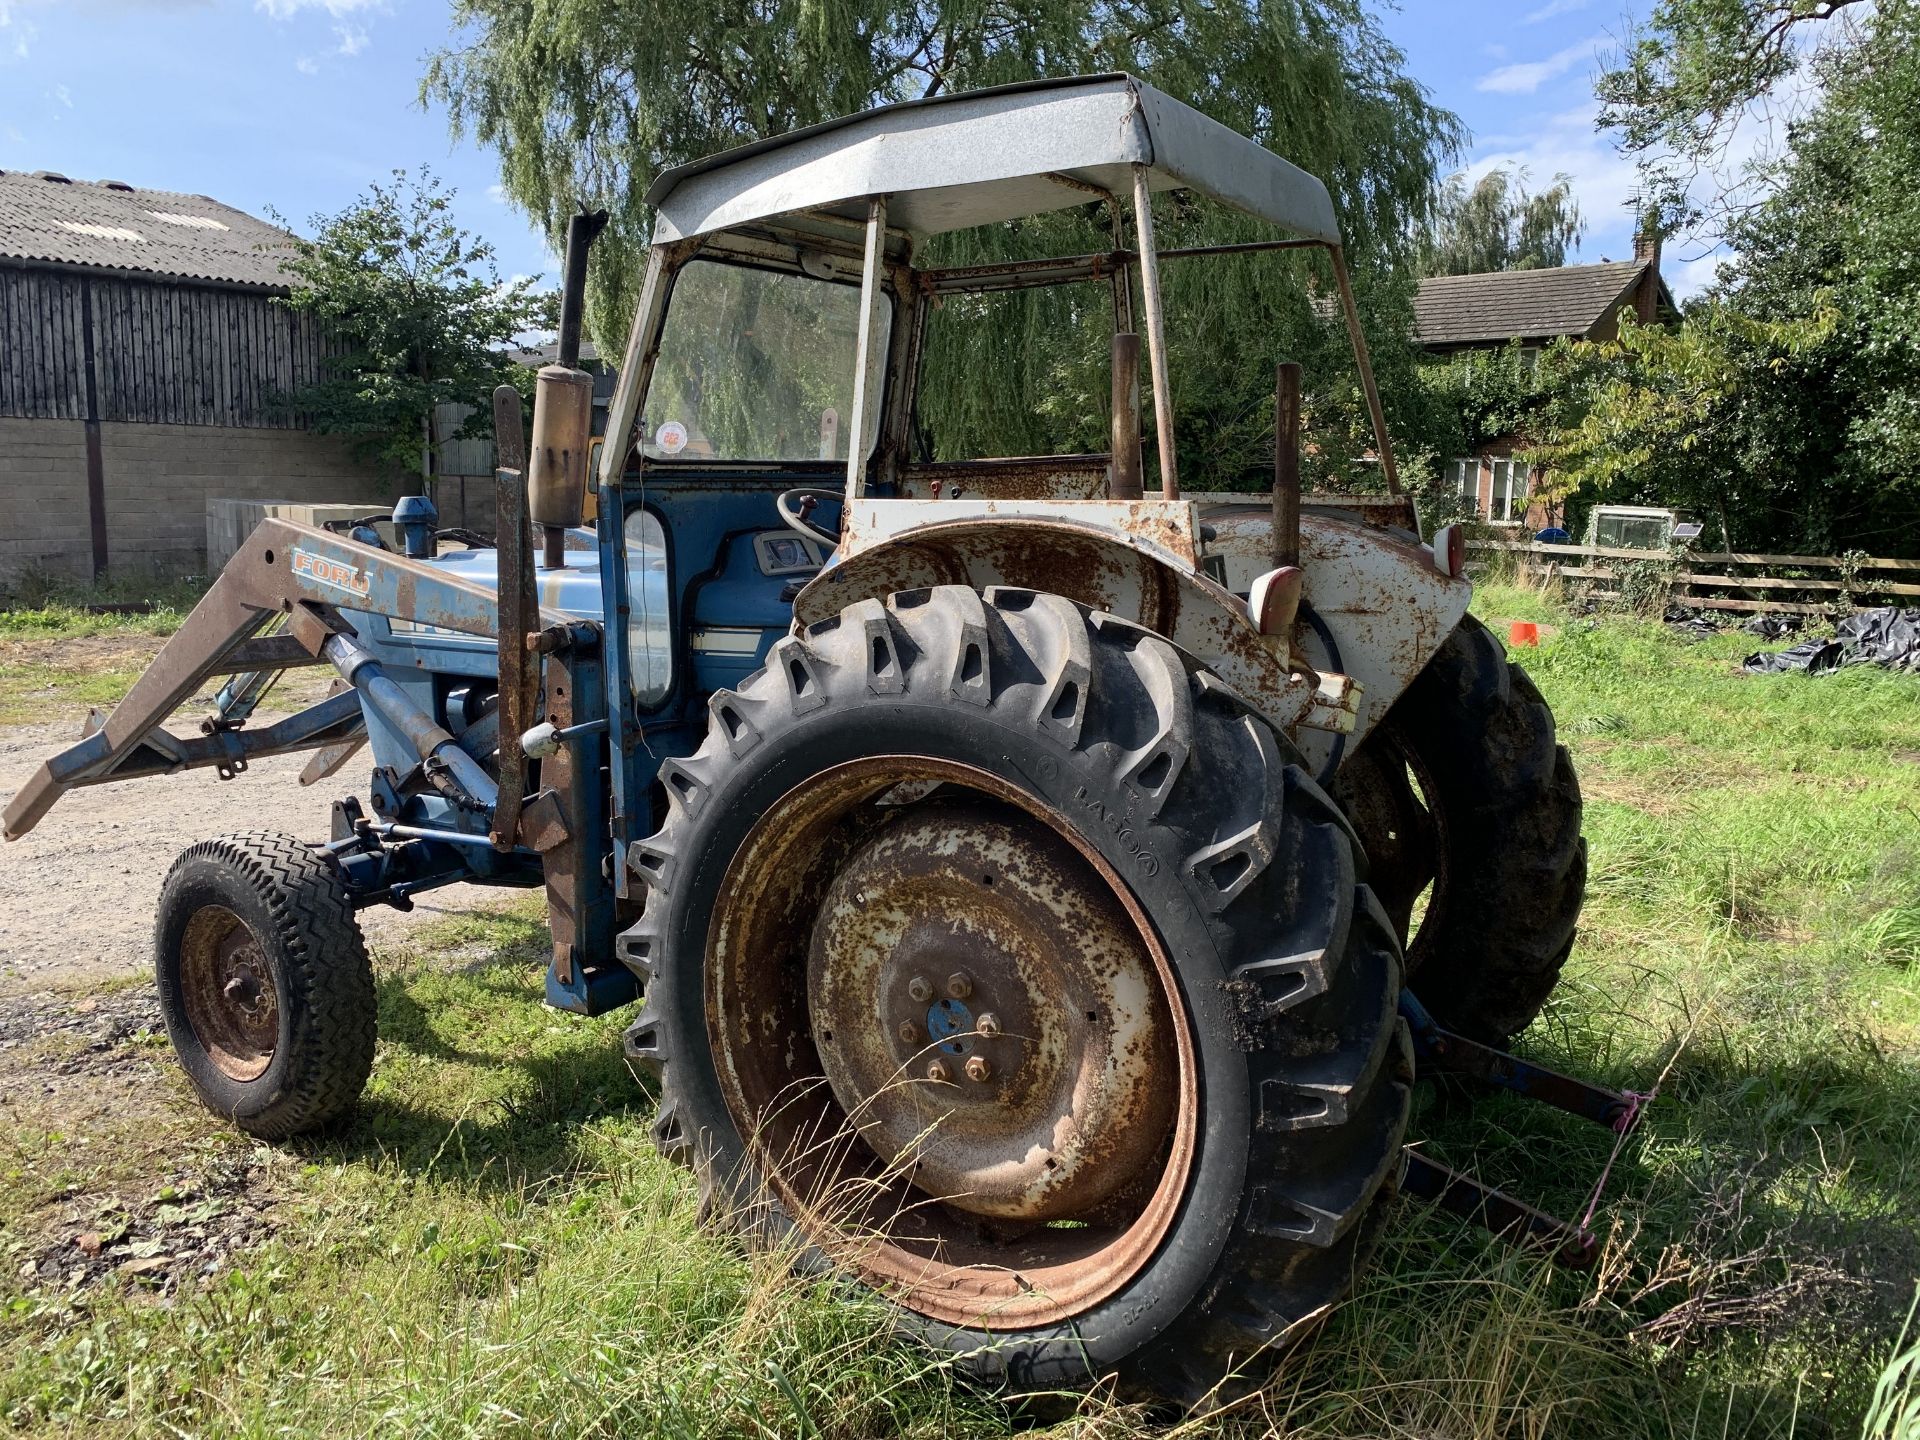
x: 956, y: 161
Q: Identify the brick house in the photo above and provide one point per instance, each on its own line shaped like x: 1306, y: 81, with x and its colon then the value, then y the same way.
x: 1458, y: 315
x: 141, y: 365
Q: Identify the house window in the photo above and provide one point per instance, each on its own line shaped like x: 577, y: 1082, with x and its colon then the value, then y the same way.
x: 1509, y: 491
x: 1530, y: 361
x: 1466, y: 481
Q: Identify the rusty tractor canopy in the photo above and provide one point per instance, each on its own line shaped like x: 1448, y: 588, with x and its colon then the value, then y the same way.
x: 955, y: 161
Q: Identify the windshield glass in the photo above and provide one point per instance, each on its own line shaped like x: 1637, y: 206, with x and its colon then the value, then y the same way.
x: 1630, y: 532
x: 756, y: 365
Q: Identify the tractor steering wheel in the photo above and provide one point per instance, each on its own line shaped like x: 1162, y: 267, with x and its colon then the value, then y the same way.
x: 797, y: 505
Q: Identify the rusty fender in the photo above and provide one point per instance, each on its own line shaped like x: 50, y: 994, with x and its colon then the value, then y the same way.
x: 1376, y: 590
x: 1145, y: 574
x: 1379, y: 595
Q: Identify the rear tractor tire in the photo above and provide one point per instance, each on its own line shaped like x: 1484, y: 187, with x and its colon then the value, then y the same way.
x: 1001, y: 958
x: 264, y: 983
x: 1465, y: 788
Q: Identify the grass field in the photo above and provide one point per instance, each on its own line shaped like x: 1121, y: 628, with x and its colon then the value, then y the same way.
x: 491, y: 1247
x: 56, y: 656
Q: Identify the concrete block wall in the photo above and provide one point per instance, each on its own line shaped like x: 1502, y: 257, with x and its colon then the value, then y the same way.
x: 43, y: 498
x: 230, y: 522
x: 158, y: 479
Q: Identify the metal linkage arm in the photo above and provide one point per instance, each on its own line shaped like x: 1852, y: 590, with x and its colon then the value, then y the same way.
x: 1440, y: 1051
x: 1496, y: 1211
x: 284, y: 569
x: 229, y: 751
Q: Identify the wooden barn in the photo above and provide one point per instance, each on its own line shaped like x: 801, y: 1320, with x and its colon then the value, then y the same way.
x: 143, y: 366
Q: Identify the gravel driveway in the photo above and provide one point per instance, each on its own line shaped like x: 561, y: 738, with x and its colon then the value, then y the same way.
x: 77, y: 894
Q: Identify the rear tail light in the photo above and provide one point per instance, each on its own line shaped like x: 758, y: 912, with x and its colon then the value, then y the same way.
x: 1450, y: 550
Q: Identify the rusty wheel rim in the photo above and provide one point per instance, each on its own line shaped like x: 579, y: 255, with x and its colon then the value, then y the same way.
x: 228, y: 993
x: 948, y: 1031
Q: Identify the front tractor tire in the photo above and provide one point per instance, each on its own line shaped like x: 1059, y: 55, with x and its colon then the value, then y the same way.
x: 264, y: 983
x: 997, y: 949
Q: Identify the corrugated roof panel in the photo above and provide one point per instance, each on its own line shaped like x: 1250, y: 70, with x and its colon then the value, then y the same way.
x: 117, y: 226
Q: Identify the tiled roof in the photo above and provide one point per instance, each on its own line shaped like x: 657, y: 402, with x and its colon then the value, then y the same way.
x: 1521, y: 304
x: 110, y: 224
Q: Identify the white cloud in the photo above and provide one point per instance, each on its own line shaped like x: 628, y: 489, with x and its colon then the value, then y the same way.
x: 1690, y: 277
x: 1553, y: 8
x: 1529, y: 76
x: 497, y: 194
x: 353, y: 39
x: 1604, y: 182
x: 17, y: 33
x: 287, y: 9
x: 63, y: 95
x: 307, y: 65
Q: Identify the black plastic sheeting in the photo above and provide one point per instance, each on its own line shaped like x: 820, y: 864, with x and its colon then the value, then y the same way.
x: 1704, y: 625
x: 1885, y: 637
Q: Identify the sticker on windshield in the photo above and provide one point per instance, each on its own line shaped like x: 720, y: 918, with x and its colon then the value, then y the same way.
x: 671, y: 437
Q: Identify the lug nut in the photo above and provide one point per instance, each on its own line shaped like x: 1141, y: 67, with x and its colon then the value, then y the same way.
x: 938, y: 1073
x: 959, y: 986
x: 908, y: 1031
x: 919, y: 989
x: 988, y: 1025
x: 977, y: 1067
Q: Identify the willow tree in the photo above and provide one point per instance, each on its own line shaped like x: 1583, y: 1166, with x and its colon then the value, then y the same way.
x: 1499, y: 224
x: 586, y: 100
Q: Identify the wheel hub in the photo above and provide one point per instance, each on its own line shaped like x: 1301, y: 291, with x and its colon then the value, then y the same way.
x: 228, y: 993
x: 988, y: 1016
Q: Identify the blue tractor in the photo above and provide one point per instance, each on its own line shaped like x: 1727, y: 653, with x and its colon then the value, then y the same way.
x: 981, y: 838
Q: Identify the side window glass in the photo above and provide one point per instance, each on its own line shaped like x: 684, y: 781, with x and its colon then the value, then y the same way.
x: 649, y: 623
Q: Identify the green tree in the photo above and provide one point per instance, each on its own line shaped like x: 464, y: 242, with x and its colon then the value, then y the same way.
x: 423, y: 314
x: 1788, y: 400
x: 586, y: 100
x: 1496, y: 224
x: 1686, y: 76
x: 1705, y: 417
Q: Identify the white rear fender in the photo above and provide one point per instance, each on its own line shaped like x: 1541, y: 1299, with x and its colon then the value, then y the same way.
x: 1383, y: 600
x: 1132, y: 559
x: 1380, y: 599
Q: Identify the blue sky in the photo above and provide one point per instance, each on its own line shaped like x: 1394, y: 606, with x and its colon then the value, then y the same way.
x: 297, y: 104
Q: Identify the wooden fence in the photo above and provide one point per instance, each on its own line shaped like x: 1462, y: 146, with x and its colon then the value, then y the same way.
x: 1799, y: 584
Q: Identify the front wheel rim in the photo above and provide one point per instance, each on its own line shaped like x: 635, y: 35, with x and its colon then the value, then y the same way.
x: 228, y: 993
x: 840, y: 927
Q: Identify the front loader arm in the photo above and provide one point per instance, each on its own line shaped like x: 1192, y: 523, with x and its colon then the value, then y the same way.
x: 286, y: 571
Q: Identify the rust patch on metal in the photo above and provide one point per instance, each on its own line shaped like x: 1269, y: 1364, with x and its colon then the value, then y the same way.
x: 1059, y: 1033
x: 561, y: 857
x: 543, y: 824
x: 1065, y: 477
x: 1018, y: 1249
x: 227, y: 991
x: 1137, y: 575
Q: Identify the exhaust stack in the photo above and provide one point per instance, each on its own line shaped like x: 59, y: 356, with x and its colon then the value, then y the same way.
x: 563, y: 410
